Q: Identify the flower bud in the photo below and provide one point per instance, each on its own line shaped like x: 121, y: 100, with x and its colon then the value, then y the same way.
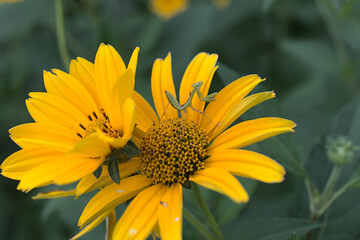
x: 341, y: 150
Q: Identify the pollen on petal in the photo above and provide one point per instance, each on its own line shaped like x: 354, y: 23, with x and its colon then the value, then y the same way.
x: 132, y: 231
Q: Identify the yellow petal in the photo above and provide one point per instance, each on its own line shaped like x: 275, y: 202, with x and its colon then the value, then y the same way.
x: 41, y: 175
x: 145, y: 227
x: 141, y: 215
x: 133, y: 60
x: 90, y: 182
x: 190, y: 76
x: 92, y: 225
x: 129, y: 117
x: 14, y: 175
x: 20, y: 162
x: 39, y: 115
x: 34, y: 143
x: 111, y: 196
x: 248, y: 164
x: 77, y: 168
x: 117, y: 142
x: 229, y: 96
x: 83, y: 71
x: 220, y: 181
x: 110, y: 224
x: 202, y: 68
x: 72, y: 168
x: 42, y: 131
x: 128, y: 168
x: 249, y: 132
x: 69, y: 88
x: 38, y: 134
x: 170, y: 213
x: 145, y: 115
x: 164, y: 9
x: 55, y: 194
x: 56, y: 110
x: 108, y: 68
x: 161, y: 80
x: 237, y: 110
x: 122, y: 89
x: 137, y: 136
x: 156, y: 231
x: 86, y: 183
x: 92, y: 145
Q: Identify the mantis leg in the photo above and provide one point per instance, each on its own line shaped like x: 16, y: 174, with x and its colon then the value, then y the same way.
x: 164, y: 111
x: 208, y: 98
x: 217, y: 125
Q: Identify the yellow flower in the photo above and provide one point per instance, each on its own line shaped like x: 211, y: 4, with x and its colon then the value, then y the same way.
x: 167, y: 9
x: 222, y: 3
x: 193, y: 148
x: 83, y: 118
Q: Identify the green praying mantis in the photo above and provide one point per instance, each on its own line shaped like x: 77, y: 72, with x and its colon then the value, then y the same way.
x: 182, y: 107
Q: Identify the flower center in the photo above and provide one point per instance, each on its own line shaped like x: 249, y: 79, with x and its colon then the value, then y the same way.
x: 117, y: 155
x: 173, y: 149
x: 101, y: 123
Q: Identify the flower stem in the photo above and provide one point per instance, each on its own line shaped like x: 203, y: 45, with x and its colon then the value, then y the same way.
x: 206, y: 210
x: 330, y: 185
x: 110, y: 224
x: 60, y: 32
x: 198, y: 225
x: 320, y: 203
x: 337, y: 194
x: 310, y: 195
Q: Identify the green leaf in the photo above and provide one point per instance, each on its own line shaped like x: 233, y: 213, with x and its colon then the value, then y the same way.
x: 123, y: 154
x: 18, y: 18
x: 270, y: 228
x: 61, y: 216
x: 323, y: 57
x: 227, y: 74
x: 344, y: 123
x: 98, y: 171
x: 227, y: 210
x: 268, y: 4
x: 118, y: 156
x: 114, y: 172
x: 187, y: 184
x: 293, y: 237
x: 131, y: 149
x: 355, y: 182
x: 343, y: 218
x: 282, y: 148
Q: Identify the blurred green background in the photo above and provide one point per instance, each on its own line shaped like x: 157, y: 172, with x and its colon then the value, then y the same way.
x: 308, y: 50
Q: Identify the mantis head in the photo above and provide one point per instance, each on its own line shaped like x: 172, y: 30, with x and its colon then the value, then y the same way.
x: 197, y: 85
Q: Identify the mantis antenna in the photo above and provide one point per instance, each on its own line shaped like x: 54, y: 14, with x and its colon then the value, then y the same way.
x: 182, y: 107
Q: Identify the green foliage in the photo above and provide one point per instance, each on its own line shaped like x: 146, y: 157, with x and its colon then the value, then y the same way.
x: 308, y: 51
x: 114, y: 171
x: 270, y: 228
x: 287, y: 151
x: 131, y: 149
x: 340, y: 219
x: 293, y: 237
x: 227, y: 210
